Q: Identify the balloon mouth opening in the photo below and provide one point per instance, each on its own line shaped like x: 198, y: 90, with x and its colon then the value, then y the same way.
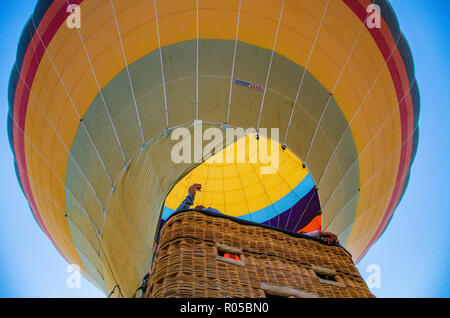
x: 262, y: 181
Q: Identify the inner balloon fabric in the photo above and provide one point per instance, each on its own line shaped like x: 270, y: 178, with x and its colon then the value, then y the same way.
x: 286, y: 199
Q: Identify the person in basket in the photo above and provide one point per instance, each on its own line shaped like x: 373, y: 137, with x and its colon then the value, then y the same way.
x: 326, y: 237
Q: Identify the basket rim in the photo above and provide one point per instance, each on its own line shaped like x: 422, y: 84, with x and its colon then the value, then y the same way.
x: 250, y: 223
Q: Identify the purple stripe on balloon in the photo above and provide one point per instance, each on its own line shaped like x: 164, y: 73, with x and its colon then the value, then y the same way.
x: 300, y: 214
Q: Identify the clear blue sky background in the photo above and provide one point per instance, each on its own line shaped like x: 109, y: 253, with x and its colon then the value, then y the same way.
x: 413, y: 253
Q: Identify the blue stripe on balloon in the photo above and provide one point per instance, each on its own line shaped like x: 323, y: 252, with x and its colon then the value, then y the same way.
x: 272, y: 210
x: 283, y: 204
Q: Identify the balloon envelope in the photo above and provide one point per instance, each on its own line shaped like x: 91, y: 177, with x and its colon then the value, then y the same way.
x: 92, y: 110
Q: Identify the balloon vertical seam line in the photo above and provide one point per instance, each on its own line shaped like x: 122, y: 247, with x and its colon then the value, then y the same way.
x: 70, y: 98
x: 45, y: 161
x: 305, y: 69
x: 281, y: 186
x: 162, y: 65
x: 333, y: 89
x: 223, y: 186
x: 358, y: 109
x: 206, y: 183
x: 291, y: 189
x: 234, y: 62
x: 289, y: 217
x: 243, y: 191
x: 35, y: 99
x: 56, y: 71
x: 306, y: 207
x: 373, y: 175
x: 270, y: 65
x: 131, y: 223
x: 381, y: 196
x: 56, y: 132
x: 138, y: 151
x: 98, y: 153
x: 360, y: 105
x: 196, y: 66
x: 372, y: 204
x: 64, y: 185
x: 304, y: 109
x: 101, y: 93
x: 368, y: 143
x: 47, y: 197
x: 264, y: 187
x: 43, y: 113
x: 128, y: 72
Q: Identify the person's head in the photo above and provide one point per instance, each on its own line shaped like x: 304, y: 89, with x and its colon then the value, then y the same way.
x: 199, y: 207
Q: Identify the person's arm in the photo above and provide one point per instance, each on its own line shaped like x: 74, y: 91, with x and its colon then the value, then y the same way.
x: 186, y: 204
x: 327, y: 237
x: 189, y: 200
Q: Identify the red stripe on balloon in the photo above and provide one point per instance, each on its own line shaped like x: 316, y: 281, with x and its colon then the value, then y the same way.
x: 48, y: 26
x: 400, y: 80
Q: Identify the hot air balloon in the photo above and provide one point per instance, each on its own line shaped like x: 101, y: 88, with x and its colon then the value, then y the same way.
x: 99, y: 86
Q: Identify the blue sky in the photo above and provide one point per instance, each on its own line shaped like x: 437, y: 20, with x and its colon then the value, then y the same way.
x: 413, y: 254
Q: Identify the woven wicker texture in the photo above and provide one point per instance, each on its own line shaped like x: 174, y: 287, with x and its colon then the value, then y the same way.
x: 187, y: 263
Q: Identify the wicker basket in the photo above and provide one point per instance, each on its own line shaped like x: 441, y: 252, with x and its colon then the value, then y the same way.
x: 193, y: 260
